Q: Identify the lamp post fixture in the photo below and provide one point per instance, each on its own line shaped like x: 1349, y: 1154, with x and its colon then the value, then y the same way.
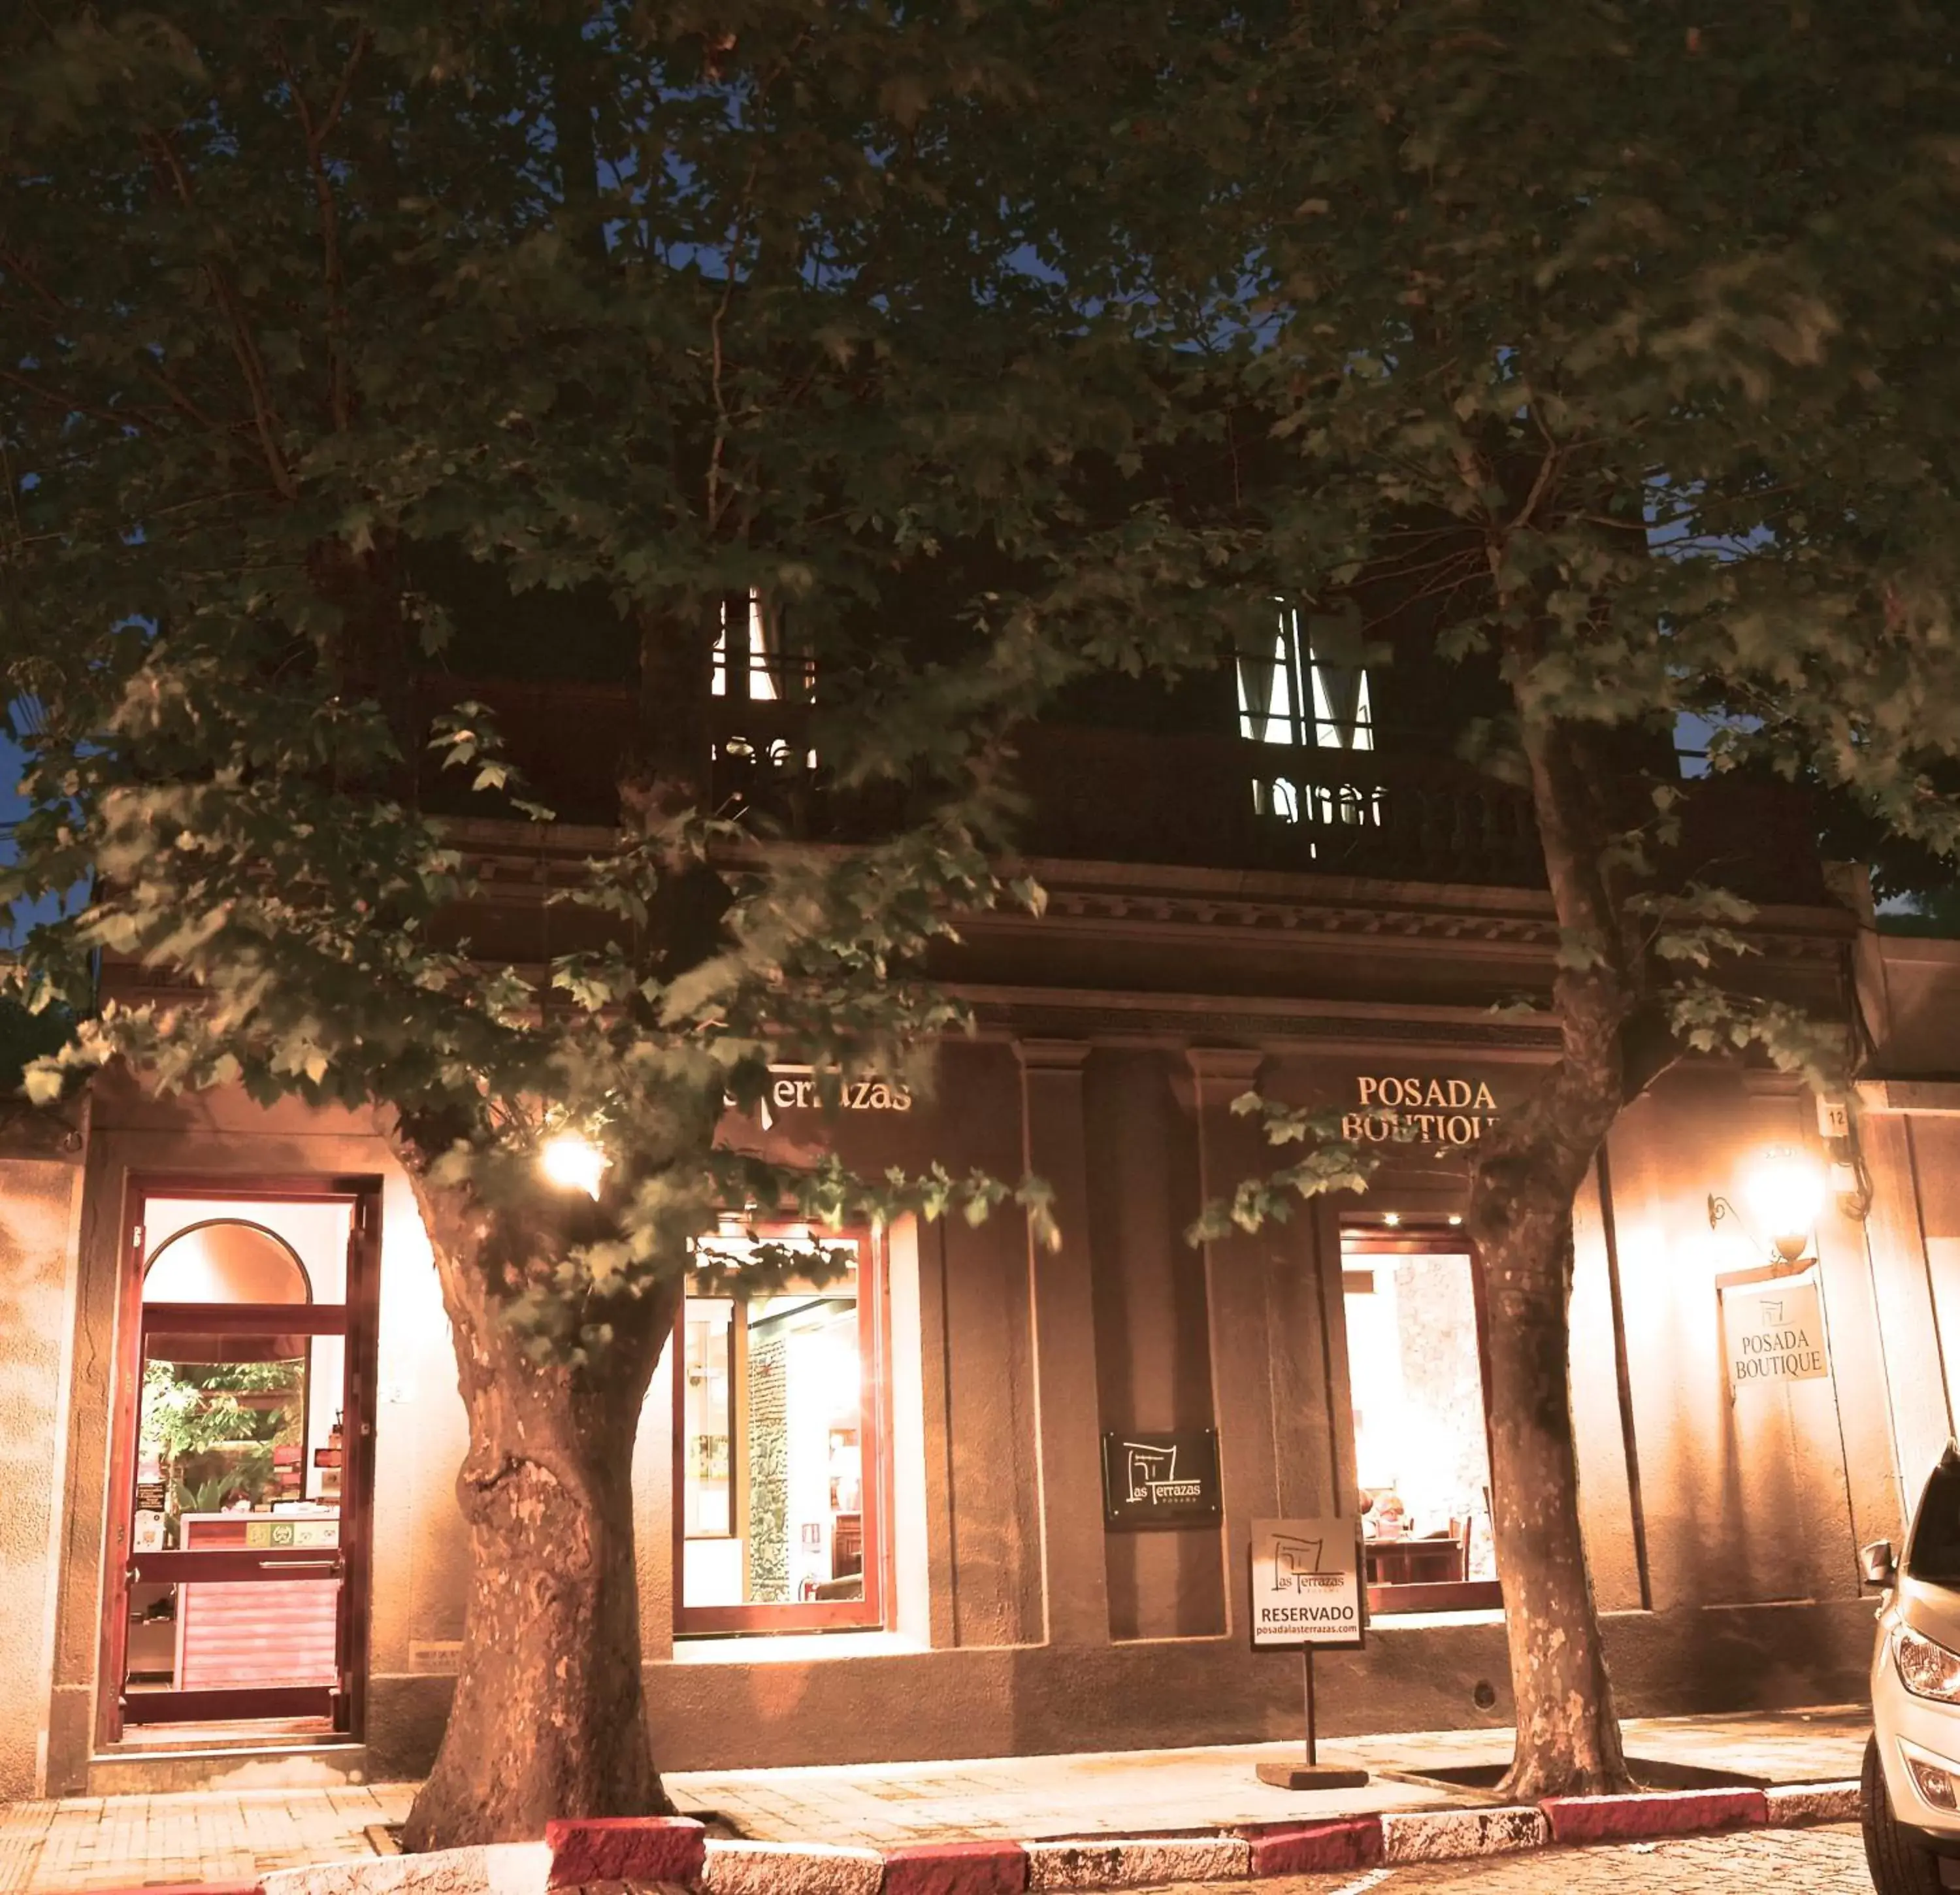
x: 1784, y: 1190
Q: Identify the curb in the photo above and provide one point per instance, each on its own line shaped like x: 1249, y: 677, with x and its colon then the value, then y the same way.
x: 676, y: 1852
x: 1138, y: 1863
x: 957, y: 1868
x: 792, y: 1868
x: 1614, y: 1819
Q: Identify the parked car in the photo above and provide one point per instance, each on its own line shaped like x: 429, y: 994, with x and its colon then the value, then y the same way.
x: 1911, y: 1783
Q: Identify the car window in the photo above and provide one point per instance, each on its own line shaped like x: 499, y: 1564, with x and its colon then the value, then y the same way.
x: 1935, y: 1555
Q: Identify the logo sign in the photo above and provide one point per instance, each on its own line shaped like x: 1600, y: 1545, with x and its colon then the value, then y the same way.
x: 1160, y: 1480
x: 1776, y: 1333
x: 1307, y: 1584
x: 795, y: 1089
x: 1419, y: 1109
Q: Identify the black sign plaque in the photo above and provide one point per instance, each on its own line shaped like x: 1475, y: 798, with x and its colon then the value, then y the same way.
x: 1151, y: 1479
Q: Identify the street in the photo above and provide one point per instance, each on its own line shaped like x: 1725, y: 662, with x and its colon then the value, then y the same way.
x: 1818, y: 1861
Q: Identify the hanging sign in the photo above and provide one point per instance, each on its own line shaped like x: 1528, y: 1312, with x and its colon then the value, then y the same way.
x: 1775, y: 1333
x: 1307, y: 1584
x: 1160, y: 1479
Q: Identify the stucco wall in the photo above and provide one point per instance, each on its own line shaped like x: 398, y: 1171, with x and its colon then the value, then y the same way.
x: 37, y: 1210
x: 1748, y: 1494
x: 1152, y: 1354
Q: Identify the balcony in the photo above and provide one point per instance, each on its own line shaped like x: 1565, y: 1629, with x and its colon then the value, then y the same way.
x: 1128, y: 796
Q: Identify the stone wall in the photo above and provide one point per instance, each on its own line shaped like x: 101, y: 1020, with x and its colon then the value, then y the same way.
x: 767, y: 1450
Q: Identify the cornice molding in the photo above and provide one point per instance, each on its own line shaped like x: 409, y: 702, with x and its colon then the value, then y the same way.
x: 1026, y: 1014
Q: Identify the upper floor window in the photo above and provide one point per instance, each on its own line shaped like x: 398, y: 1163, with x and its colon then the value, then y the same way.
x: 1289, y: 694
x: 753, y: 661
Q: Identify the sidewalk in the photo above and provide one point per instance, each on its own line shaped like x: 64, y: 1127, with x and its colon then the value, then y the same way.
x: 128, y: 1842
x: 1130, y: 1792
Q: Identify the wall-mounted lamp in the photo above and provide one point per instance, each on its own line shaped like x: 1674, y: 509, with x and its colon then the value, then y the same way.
x: 1784, y: 1190
x: 572, y: 1162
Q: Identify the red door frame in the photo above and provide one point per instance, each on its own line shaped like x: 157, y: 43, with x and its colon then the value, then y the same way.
x: 357, y: 1320
x: 864, y: 1615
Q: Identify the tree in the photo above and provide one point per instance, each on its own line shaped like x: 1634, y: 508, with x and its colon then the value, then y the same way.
x: 341, y: 346
x: 1610, y: 337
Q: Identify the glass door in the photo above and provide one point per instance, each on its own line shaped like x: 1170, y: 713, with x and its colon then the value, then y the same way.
x: 232, y: 1602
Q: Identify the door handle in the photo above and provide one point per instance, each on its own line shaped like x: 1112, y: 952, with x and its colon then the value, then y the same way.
x: 299, y: 1566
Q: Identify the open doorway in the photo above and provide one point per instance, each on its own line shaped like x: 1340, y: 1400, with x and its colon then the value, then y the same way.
x: 236, y: 1600
x: 1417, y: 1370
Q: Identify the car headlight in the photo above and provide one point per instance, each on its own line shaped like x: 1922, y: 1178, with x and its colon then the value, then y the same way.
x: 1926, y: 1670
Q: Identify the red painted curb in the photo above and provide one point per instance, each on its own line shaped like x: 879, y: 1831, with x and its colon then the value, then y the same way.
x: 625, y: 1848
x: 1299, y: 1848
x: 1609, y: 1819
x: 957, y: 1868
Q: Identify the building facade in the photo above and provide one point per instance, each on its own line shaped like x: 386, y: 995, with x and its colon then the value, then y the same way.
x: 966, y: 1496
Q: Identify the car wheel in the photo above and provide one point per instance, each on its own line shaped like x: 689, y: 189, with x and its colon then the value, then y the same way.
x: 1898, y: 1864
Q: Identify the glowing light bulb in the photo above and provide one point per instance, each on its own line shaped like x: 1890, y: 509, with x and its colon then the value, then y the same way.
x: 1391, y: 1218
x: 1785, y: 1190
x: 572, y: 1163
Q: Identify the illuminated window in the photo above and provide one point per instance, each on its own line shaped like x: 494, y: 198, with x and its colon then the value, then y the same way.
x: 1289, y: 694
x: 765, y: 669
x: 778, y: 1492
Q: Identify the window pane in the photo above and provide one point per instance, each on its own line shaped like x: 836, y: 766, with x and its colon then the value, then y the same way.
x: 773, y: 1452
x: 706, y: 1407
x: 1421, y: 1453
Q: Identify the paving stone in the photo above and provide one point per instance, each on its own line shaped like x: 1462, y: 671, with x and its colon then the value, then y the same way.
x: 792, y: 1868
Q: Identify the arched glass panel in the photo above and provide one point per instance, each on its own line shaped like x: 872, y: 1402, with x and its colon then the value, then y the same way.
x: 227, y: 1261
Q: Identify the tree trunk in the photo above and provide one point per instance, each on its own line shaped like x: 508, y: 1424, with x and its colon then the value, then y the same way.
x: 1528, y: 1175
x: 1568, y: 1732
x: 549, y: 1718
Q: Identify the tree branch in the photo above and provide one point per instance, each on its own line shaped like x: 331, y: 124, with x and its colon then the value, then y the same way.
x: 338, y: 402
x: 244, y: 346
